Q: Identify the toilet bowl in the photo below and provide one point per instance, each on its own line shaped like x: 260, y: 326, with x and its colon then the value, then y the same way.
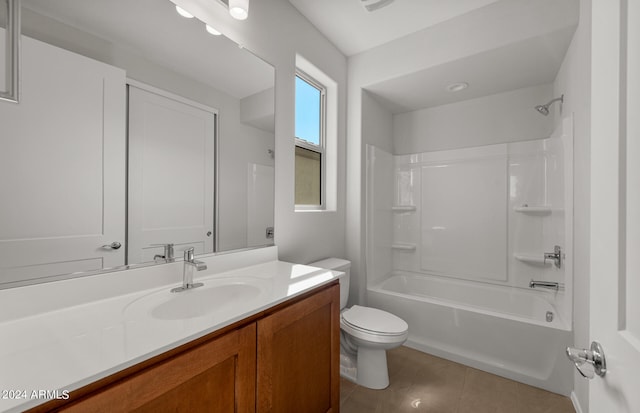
x: 365, y: 334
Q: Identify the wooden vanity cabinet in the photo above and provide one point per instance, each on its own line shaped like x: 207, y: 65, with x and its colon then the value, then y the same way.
x: 217, y: 376
x: 282, y: 360
x: 299, y: 356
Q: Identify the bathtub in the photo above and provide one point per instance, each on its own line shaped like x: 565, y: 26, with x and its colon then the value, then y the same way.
x: 497, y: 329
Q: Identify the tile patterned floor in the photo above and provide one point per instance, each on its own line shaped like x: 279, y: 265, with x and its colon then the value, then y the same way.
x: 424, y: 383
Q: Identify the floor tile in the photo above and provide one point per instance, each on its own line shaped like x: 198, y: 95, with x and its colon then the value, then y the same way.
x: 487, y: 393
x: 421, y: 382
x: 534, y: 400
x: 346, y: 388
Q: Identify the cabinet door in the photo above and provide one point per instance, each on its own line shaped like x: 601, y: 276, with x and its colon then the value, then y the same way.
x: 298, y: 356
x: 217, y: 376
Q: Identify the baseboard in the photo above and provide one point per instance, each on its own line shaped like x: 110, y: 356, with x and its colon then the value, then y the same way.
x: 576, y: 403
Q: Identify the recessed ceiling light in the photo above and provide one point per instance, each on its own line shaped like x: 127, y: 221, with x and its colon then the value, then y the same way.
x: 182, y: 12
x: 212, y: 31
x: 457, y: 87
x: 239, y: 9
x: 373, y: 5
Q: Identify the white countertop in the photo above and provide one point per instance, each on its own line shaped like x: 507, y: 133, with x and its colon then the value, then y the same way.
x: 66, y: 347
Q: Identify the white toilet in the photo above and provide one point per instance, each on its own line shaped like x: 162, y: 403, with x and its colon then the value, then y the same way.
x: 365, y: 334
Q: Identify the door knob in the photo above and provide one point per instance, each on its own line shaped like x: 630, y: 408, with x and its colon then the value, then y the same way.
x: 593, y: 357
x: 113, y: 246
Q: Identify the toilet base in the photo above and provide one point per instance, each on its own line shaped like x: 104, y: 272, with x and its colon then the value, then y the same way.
x: 372, y: 369
x: 368, y: 368
x: 348, y: 367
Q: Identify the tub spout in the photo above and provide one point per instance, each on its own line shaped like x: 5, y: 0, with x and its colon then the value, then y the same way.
x: 544, y: 284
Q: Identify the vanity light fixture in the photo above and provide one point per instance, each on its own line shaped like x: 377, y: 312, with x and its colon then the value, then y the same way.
x: 212, y: 31
x: 182, y: 12
x: 457, y: 87
x: 239, y: 9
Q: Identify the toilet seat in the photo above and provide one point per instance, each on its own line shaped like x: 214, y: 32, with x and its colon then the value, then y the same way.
x: 366, y: 320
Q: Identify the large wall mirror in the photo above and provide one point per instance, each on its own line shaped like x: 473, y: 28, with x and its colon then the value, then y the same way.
x: 136, y: 128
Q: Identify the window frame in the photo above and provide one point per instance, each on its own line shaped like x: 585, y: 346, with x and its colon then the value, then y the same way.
x: 320, y: 148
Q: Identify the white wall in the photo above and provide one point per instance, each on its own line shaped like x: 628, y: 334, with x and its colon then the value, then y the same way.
x: 500, y: 118
x: 574, y: 80
x: 258, y: 110
x: 276, y: 31
x: 377, y: 123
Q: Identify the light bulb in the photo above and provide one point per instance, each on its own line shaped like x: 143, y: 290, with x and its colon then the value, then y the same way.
x: 239, y: 9
x: 182, y: 12
x: 212, y: 31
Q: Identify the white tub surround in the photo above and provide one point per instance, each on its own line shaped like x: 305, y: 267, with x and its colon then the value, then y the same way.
x: 454, y: 239
x: 64, y: 335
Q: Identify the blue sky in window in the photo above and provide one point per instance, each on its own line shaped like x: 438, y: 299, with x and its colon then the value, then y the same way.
x: 307, y: 112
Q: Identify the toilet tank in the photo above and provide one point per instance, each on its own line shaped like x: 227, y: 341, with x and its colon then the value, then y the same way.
x: 338, y: 264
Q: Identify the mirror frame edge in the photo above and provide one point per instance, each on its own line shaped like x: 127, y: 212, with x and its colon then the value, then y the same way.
x: 13, y: 32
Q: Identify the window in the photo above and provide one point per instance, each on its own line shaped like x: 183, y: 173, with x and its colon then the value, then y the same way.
x: 310, y: 129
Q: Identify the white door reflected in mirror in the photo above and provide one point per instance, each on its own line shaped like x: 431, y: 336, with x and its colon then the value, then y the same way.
x: 171, y: 175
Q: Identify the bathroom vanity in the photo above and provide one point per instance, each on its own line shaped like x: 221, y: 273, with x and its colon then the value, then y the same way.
x: 275, y: 348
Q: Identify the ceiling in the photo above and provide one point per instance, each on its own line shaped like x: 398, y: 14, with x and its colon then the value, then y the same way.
x: 530, y: 62
x: 152, y: 29
x: 353, y: 29
x: 517, y: 44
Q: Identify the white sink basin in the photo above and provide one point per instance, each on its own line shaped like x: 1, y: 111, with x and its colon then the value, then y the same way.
x: 216, y: 296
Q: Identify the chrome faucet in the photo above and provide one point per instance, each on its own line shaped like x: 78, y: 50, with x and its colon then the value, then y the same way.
x: 190, y: 264
x: 544, y: 284
x: 167, y: 256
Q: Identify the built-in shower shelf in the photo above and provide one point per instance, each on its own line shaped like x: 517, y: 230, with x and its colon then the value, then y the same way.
x: 532, y: 259
x: 404, y: 247
x: 403, y: 208
x: 534, y: 209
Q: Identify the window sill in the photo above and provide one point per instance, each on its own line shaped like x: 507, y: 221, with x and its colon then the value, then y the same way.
x: 312, y: 209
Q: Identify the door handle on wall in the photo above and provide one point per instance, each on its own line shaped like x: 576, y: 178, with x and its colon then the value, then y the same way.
x: 593, y: 357
x: 115, y: 245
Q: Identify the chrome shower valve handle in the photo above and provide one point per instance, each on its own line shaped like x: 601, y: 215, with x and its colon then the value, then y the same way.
x: 556, y: 256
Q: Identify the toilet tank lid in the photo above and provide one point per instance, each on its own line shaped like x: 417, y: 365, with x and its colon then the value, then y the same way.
x: 336, y: 264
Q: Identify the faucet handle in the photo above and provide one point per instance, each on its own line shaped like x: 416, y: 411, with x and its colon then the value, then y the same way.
x: 556, y: 256
x: 188, y: 254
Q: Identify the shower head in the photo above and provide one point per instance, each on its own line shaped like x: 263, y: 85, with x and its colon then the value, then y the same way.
x: 544, y: 109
